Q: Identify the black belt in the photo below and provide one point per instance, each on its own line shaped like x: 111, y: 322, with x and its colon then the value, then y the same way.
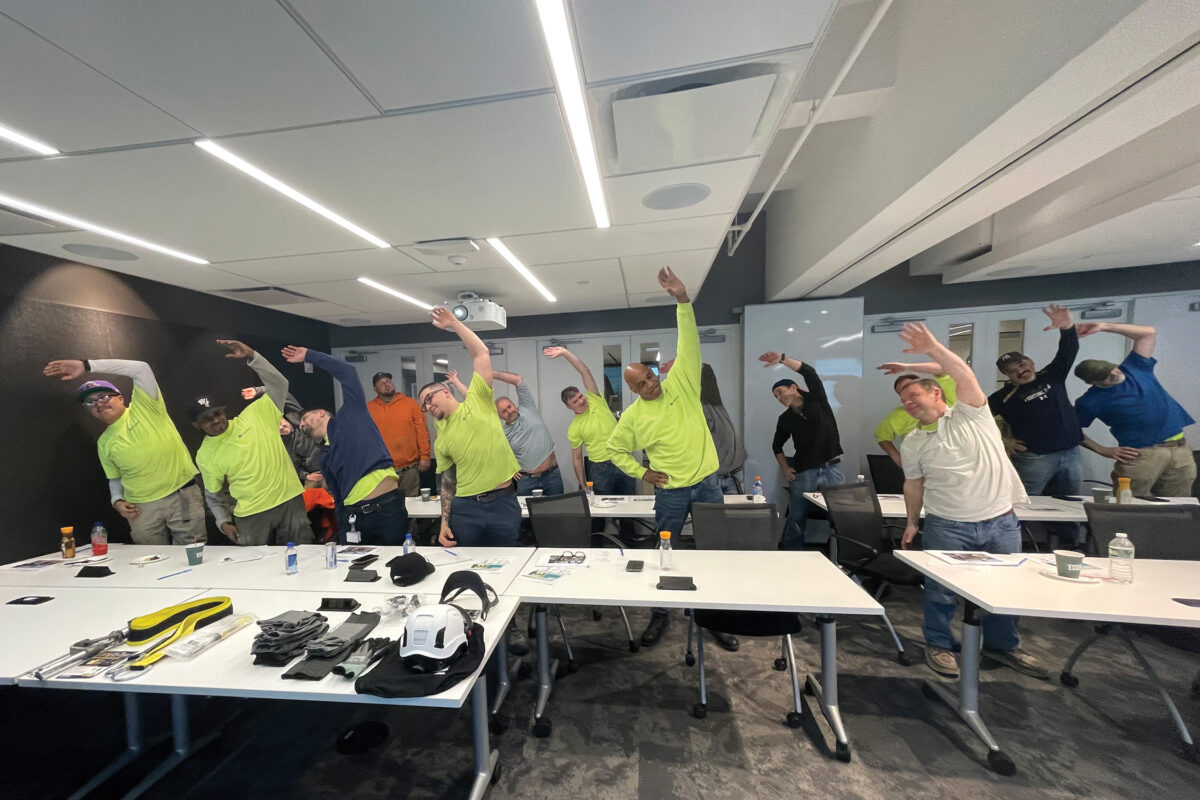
x: 538, y: 474
x: 413, y: 465
x: 376, y: 502
x: 487, y: 497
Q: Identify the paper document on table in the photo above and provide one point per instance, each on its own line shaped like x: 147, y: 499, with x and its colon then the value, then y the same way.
x: 357, y: 550
x: 490, y: 564
x: 977, y: 558
x: 1031, y: 507
x: 546, y: 575
x: 36, y: 564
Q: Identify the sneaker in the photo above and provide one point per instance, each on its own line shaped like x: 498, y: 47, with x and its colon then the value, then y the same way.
x: 655, y: 629
x: 1019, y: 660
x: 726, y: 641
x: 942, y: 661
x: 518, y: 641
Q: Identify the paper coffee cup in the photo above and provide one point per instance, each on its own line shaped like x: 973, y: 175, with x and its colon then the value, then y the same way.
x: 195, y: 553
x: 1068, y: 563
x: 538, y: 492
x: 1102, y: 495
x: 425, y: 494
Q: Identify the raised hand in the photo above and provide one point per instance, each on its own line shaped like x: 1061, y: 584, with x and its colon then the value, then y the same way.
x: 554, y: 352
x: 771, y: 358
x: 452, y: 375
x: 293, y: 354
x: 894, y: 367
x: 671, y: 284
x: 1088, y: 328
x: 918, y: 338
x: 1059, y: 316
x: 249, y: 393
x: 69, y: 370
x: 442, y: 318
x: 236, y: 349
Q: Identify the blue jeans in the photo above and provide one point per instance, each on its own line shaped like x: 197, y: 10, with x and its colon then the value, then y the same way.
x: 808, y: 480
x: 550, y: 482
x: 385, y: 525
x: 608, y: 479
x: 492, y: 519
x: 1000, y: 534
x: 1053, y: 473
x: 671, y: 507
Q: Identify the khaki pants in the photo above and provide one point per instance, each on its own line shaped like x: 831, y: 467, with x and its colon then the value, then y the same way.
x: 410, y: 481
x: 286, y: 522
x: 177, y: 519
x: 1162, y: 471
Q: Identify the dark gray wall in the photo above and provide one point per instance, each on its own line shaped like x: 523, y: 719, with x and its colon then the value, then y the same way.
x: 732, y: 282
x: 49, y: 472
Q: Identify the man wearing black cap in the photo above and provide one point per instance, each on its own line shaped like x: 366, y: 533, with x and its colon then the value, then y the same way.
x: 151, y: 477
x: 247, y: 452
x: 808, y: 421
x: 1147, y: 422
x: 402, y: 426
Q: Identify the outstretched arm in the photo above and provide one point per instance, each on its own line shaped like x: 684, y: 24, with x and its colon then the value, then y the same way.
x: 920, y: 340
x: 589, y: 383
x: 275, y: 384
x: 899, y: 368
x: 508, y: 377
x: 453, y: 379
x: 352, y: 391
x: 1143, y: 336
x: 69, y: 370
x: 481, y: 360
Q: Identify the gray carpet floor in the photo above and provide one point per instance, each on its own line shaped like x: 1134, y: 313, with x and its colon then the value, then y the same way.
x: 622, y: 729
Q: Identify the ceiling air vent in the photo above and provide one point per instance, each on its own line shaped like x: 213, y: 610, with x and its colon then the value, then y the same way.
x: 267, y: 296
x: 461, y: 246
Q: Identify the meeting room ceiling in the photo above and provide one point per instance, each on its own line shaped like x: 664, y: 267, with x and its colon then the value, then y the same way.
x: 415, y: 121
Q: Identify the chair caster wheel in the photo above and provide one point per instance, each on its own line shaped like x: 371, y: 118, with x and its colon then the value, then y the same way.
x: 843, y: 752
x: 572, y: 666
x: 498, y: 724
x: 542, y: 728
x: 524, y: 671
x: 780, y: 665
x: 690, y: 660
x: 495, y: 774
x: 699, y: 711
x: 1067, y: 679
x: 928, y: 691
x: 635, y: 646
x: 903, y: 660
x: 596, y: 615
x: 808, y: 689
x: 1000, y: 763
x: 794, y: 719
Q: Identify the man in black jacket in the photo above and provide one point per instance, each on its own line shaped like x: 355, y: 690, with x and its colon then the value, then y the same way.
x: 808, y: 421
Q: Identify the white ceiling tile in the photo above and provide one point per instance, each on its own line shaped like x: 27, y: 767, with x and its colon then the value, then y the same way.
x: 68, y: 105
x: 311, y: 310
x: 415, y: 54
x: 621, y: 240
x: 620, y: 38
x: 727, y: 181
x: 483, y: 258
x: 641, y: 272
x: 373, y: 263
x: 644, y: 300
x: 177, y: 196
x: 220, y: 66
x: 398, y: 317
x: 489, y: 169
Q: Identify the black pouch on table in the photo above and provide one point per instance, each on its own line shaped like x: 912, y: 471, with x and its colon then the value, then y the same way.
x: 409, y: 569
x: 391, y: 678
x: 326, y: 652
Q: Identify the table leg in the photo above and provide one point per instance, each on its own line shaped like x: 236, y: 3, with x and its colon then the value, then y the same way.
x: 184, y: 746
x: 134, y: 745
x: 825, y: 689
x: 487, y: 766
x: 967, y: 702
x: 546, y: 670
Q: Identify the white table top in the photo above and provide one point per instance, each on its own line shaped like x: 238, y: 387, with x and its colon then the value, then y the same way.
x: 266, y: 572
x: 1023, y: 591
x: 1040, y: 508
x: 227, y: 669
x: 742, y: 580
x: 37, y: 634
x: 624, y: 506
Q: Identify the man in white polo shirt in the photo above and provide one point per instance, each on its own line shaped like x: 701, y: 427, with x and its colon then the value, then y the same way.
x: 967, y: 485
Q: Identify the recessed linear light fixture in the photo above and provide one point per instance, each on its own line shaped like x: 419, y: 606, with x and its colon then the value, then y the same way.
x: 28, y: 142
x: 500, y: 248
x: 560, y: 45
x: 211, y: 147
x: 75, y: 222
x: 394, y: 293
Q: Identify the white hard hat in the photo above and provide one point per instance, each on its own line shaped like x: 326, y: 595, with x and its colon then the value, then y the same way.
x: 434, y: 637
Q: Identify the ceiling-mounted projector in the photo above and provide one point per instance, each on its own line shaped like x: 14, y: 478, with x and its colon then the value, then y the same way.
x: 477, y: 313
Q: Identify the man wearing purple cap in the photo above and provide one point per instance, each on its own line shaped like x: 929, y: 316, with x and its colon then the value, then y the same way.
x: 151, y: 476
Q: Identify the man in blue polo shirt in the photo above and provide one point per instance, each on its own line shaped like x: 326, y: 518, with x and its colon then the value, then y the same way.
x: 1130, y: 400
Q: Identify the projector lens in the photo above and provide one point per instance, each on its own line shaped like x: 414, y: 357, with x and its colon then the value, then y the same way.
x: 460, y: 313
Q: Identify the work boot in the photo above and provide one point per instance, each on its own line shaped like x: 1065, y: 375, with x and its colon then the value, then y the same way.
x: 1019, y: 660
x: 941, y: 661
x: 655, y: 629
x: 727, y: 641
x: 518, y: 642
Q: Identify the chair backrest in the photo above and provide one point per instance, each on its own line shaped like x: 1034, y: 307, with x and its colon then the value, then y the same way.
x: 561, y: 520
x: 885, y: 474
x: 1157, y: 531
x: 854, y: 513
x: 735, y: 526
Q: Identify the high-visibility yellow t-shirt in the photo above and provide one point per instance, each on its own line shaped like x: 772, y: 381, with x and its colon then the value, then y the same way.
x: 251, y: 455
x: 899, y: 423
x: 144, y: 450
x: 472, y: 439
x: 367, y: 483
x: 593, y: 428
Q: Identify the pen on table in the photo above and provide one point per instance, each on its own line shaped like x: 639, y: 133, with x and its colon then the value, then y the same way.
x: 173, y: 574
x: 451, y: 552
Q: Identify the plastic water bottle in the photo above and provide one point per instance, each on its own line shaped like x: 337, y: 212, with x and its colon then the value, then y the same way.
x: 664, y: 550
x: 331, y: 555
x: 591, y: 493
x: 759, y: 497
x: 292, y: 559
x: 99, y: 539
x: 409, y: 544
x: 860, y: 479
x: 1120, y: 559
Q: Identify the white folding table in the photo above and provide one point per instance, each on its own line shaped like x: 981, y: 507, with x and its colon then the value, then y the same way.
x: 1022, y: 591
x: 638, y: 506
x: 1040, y: 508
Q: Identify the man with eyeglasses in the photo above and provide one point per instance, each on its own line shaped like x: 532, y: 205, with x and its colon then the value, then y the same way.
x: 151, y: 476
x: 479, y: 503
x: 355, y: 463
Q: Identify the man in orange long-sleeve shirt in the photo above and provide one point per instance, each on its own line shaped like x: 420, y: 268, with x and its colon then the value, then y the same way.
x: 402, y: 424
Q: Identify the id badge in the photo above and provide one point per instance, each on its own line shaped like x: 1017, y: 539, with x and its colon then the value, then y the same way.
x: 353, y: 536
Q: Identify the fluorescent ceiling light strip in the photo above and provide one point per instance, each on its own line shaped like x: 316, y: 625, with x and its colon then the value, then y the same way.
x: 229, y: 158
x: 75, y: 222
x: 553, y: 16
x: 394, y: 293
x: 28, y: 142
x: 500, y: 248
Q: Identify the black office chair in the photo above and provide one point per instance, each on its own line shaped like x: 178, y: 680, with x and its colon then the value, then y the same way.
x: 1167, y: 532
x: 886, y: 475
x: 863, y: 551
x: 565, y: 521
x: 741, y: 526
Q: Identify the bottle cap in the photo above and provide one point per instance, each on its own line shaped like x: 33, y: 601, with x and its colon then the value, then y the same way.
x: 291, y: 544
x: 758, y: 477
x: 68, y: 529
x: 1123, y: 481
x: 589, y: 483
x: 664, y: 534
